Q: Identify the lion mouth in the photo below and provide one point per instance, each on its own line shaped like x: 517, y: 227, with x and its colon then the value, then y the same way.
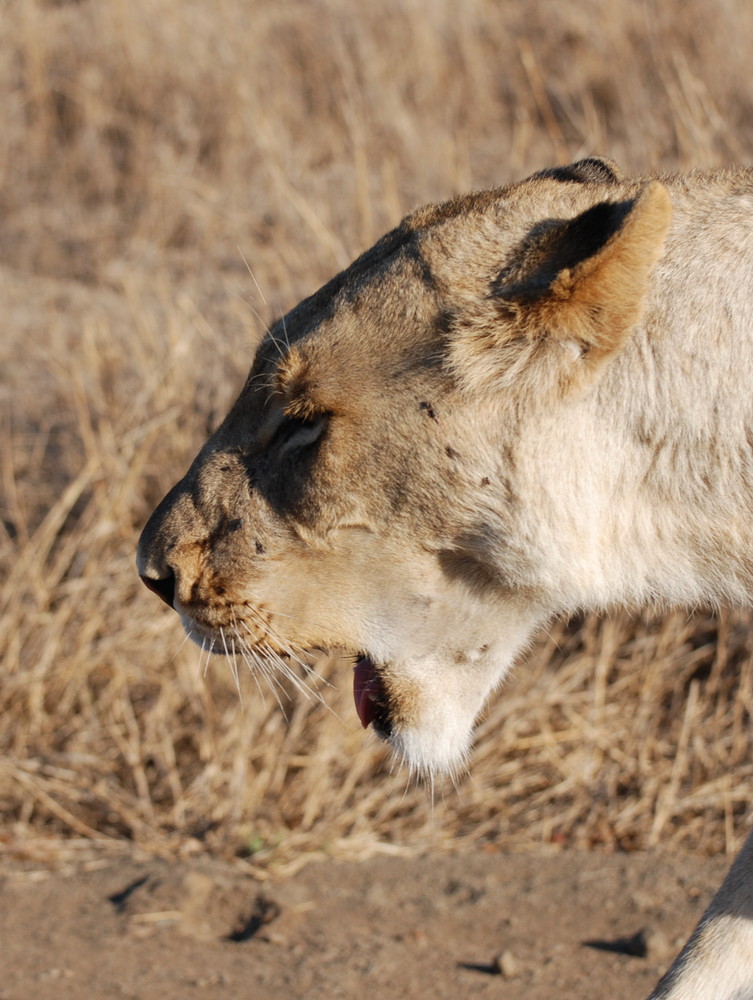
x: 372, y: 703
x: 369, y: 691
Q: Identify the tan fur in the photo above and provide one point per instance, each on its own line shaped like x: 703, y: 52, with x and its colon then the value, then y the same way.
x: 518, y: 404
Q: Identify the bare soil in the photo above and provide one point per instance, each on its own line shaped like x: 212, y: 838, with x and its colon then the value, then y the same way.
x: 512, y: 926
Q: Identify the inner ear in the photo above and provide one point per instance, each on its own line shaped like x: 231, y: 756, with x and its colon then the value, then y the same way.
x: 556, y: 245
x: 586, y: 279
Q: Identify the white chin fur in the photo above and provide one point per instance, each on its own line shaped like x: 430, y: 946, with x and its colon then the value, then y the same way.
x: 439, y: 743
x: 435, y: 733
x: 429, y: 756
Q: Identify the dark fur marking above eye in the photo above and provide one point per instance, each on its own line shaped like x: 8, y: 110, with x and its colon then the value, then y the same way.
x: 235, y: 524
x: 428, y: 410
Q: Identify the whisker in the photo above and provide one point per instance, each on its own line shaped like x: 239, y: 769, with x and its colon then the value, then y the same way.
x: 188, y: 635
x: 251, y: 659
x: 277, y: 614
x: 256, y: 665
x: 205, y: 655
x: 253, y: 276
x: 256, y: 313
x: 293, y: 651
x: 273, y: 682
x: 233, y: 667
x: 285, y: 332
x: 278, y: 343
x: 273, y: 658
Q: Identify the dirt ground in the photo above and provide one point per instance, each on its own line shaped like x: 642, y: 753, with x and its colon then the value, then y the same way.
x: 484, y: 924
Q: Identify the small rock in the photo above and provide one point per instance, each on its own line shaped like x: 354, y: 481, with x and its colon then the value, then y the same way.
x: 419, y: 937
x: 648, y: 943
x: 56, y: 974
x: 506, y: 964
x: 197, y: 888
x: 216, y: 979
x: 657, y: 946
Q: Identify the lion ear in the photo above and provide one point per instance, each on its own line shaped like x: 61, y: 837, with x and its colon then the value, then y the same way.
x: 585, y: 280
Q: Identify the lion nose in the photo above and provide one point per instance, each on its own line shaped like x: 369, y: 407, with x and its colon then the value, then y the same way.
x: 163, y: 587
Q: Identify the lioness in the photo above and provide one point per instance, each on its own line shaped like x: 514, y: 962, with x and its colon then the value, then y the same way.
x: 517, y: 404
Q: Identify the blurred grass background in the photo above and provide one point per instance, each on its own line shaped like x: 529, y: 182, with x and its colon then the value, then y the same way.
x: 173, y: 174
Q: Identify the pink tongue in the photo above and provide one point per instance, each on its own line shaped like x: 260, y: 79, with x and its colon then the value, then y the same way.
x: 367, y: 691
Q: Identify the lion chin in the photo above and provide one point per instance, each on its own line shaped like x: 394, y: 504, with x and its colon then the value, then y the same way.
x: 429, y: 733
x: 439, y: 746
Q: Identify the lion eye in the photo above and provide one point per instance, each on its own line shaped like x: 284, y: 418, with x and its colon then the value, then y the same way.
x: 295, y: 433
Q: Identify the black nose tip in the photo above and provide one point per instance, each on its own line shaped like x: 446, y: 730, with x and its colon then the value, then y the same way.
x: 163, y: 587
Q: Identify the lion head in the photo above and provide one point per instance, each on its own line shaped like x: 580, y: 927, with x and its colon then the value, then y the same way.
x: 387, y: 481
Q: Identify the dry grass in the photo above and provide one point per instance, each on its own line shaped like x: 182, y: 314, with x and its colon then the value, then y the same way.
x: 153, y: 155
